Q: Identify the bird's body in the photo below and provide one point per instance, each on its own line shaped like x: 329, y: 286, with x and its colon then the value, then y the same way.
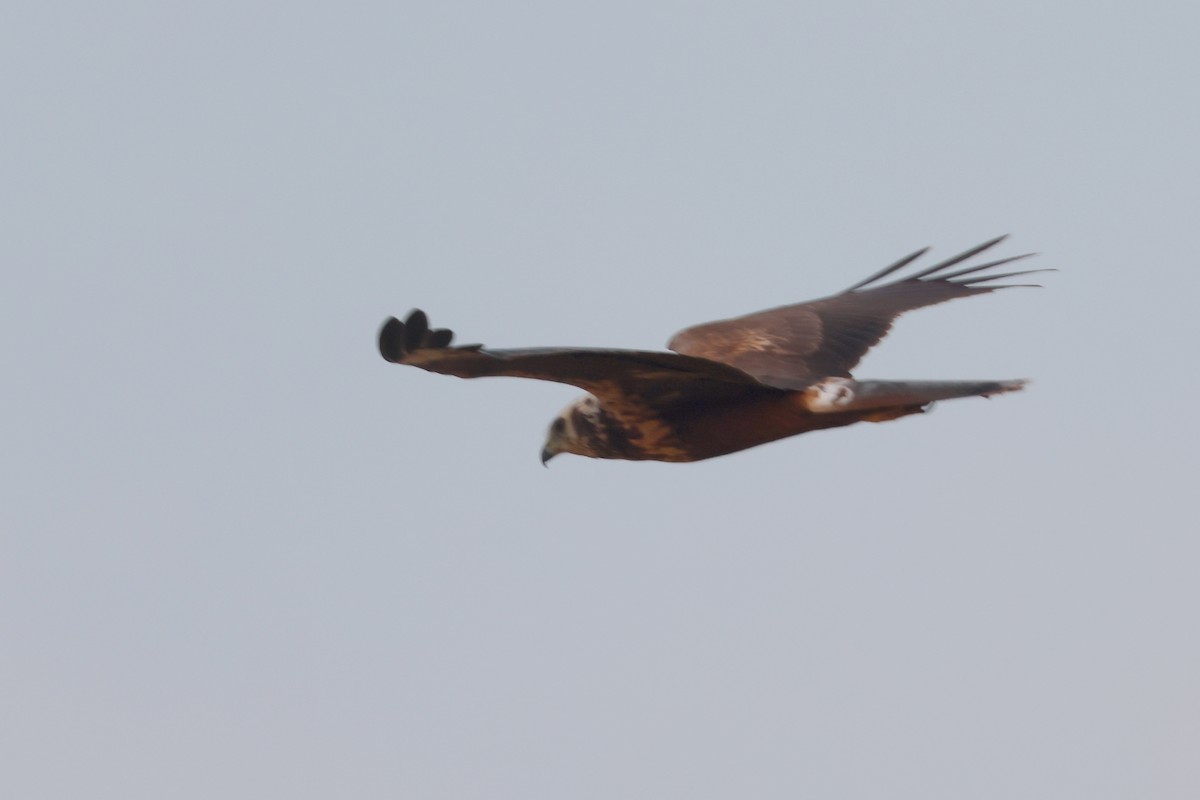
x: 694, y: 432
x: 728, y: 385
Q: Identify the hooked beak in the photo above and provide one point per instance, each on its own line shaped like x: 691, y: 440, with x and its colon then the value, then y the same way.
x: 547, y: 454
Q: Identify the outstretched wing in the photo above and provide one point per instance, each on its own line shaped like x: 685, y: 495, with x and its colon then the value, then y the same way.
x: 660, y: 378
x: 793, y: 346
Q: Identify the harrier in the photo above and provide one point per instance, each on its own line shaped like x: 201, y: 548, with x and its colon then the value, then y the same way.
x: 731, y: 384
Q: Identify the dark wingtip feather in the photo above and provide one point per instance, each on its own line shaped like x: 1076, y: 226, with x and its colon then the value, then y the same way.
x: 938, y: 272
x: 440, y: 337
x: 1001, y: 276
x: 989, y: 265
x: 397, y: 339
x: 890, y: 268
x: 958, y: 259
x: 391, y: 340
x: 415, y: 327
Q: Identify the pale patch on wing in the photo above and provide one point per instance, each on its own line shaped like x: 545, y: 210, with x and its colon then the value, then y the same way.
x: 830, y: 396
x: 759, y: 342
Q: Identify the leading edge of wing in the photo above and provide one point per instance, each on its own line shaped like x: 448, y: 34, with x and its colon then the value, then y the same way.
x: 414, y: 343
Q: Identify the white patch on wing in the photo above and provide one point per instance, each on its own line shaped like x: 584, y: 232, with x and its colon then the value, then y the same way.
x: 830, y: 395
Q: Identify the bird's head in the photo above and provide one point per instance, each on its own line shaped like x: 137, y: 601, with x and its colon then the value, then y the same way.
x: 574, y: 430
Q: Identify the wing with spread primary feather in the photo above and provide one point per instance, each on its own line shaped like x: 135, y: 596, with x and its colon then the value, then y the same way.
x: 793, y: 346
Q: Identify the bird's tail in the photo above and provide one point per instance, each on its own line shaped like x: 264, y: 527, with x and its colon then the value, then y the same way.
x: 836, y: 395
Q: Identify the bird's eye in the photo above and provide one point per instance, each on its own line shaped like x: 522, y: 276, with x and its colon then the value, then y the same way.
x: 558, y: 426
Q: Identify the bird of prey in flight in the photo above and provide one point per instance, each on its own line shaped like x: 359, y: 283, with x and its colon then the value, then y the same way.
x: 731, y: 384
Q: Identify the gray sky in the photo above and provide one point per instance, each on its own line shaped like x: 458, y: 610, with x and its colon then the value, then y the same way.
x: 241, y: 556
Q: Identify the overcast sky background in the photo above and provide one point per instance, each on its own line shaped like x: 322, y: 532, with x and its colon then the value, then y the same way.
x: 242, y: 556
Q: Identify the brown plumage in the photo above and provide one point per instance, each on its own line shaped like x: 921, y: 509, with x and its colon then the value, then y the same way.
x: 730, y: 384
